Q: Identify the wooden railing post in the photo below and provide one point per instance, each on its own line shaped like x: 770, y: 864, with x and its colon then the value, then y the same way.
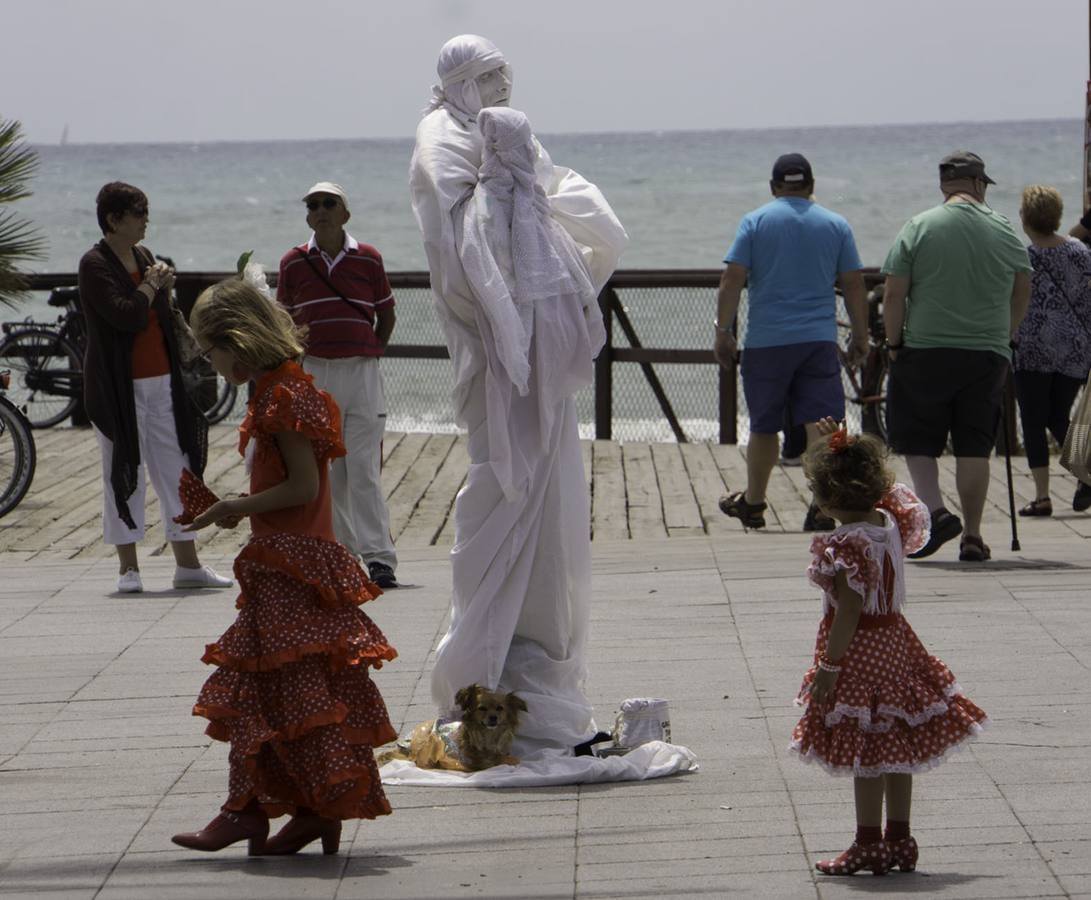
x: 604, y: 371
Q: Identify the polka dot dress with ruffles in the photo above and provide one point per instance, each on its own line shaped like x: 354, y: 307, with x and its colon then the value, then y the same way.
x: 292, y: 691
x: 895, y: 707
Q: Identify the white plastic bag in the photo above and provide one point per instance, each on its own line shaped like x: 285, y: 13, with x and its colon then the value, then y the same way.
x: 640, y: 720
x: 1076, y: 452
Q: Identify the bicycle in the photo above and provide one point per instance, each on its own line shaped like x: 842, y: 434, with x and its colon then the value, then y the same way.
x: 18, y: 457
x: 865, y: 385
x: 47, y: 361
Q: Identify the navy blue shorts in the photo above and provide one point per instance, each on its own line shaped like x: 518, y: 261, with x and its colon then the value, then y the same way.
x: 804, y: 378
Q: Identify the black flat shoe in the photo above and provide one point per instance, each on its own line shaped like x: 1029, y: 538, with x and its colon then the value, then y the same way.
x: 945, y: 525
x: 816, y: 521
x: 1081, y: 500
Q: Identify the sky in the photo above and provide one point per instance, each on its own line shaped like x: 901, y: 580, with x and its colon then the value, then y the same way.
x: 210, y: 70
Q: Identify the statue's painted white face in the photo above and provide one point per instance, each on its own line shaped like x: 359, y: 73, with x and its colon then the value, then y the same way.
x: 494, y: 87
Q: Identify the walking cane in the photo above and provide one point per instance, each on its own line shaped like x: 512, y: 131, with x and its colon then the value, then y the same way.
x: 1007, y: 462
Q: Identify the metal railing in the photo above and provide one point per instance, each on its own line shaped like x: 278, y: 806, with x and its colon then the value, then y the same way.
x: 656, y: 378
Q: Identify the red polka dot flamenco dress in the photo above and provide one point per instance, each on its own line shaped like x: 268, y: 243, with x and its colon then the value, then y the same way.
x: 292, y: 692
x: 895, y: 708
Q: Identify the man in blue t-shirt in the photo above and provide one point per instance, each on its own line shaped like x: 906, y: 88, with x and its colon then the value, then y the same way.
x: 792, y: 251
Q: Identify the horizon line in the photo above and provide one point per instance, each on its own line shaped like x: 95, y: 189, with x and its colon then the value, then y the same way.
x: 68, y: 142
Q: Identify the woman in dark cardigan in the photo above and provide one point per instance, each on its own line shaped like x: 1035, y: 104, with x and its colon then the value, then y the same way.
x: 133, y: 388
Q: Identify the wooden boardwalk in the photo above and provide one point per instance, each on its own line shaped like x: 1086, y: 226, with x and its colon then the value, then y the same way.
x: 639, y: 491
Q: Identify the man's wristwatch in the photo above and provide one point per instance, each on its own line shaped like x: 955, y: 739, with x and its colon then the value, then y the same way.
x: 722, y: 329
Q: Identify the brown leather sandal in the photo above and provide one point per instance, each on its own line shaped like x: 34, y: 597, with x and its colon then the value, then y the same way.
x: 973, y: 549
x: 750, y: 514
x: 1042, y: 506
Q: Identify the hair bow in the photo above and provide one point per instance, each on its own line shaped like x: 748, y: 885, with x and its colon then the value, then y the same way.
x: 839, y: 440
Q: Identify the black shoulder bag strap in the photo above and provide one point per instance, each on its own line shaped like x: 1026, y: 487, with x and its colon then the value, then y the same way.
x: 317, y: 271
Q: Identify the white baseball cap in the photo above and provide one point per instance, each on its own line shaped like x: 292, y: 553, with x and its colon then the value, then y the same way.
x: 327, y: 187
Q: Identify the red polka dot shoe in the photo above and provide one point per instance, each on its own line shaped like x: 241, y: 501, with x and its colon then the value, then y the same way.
x: 904, y: 853
x: 875, y: 857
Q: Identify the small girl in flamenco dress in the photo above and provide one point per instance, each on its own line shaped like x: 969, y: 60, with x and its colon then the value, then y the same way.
x: 878, y: 706
x: 291, y: 693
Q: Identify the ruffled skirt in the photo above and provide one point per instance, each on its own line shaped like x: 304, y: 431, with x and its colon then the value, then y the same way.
x: 292, y: 692
x: 895, y: 708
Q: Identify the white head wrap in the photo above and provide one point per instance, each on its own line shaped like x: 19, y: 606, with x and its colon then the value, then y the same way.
x: 461, y: 60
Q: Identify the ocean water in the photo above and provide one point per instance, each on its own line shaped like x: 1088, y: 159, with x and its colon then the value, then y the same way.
x: 680, y: 196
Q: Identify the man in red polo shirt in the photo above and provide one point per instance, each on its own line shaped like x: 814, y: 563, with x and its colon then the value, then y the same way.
x: 338, y: 288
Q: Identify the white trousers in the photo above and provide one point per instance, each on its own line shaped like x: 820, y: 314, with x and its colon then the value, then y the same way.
x: 360, y: 518
x: 159, y: 455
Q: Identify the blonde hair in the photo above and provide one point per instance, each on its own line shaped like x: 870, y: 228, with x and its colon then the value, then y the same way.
x: 1042, y: 208
x: 234, y: 316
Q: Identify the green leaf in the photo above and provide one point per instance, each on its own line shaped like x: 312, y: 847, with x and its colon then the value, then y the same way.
x: 244, y: 258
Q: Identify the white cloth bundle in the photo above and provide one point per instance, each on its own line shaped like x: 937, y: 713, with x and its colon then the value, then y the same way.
x: 531, y: 285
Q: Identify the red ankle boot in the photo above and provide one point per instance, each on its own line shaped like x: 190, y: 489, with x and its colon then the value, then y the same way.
x: 874, y: 856
x: 302, y: 830
x: 226, y: 829
x: 904, y: 853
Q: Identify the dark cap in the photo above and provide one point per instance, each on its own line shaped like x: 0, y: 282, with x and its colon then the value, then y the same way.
x: 963, y: 164
x: 792, y: 169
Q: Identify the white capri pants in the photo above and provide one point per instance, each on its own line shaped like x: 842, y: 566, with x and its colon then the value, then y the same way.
x: 360, y: 517
x: 159, y: 455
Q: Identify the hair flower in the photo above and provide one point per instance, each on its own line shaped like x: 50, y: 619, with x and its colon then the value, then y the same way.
x: 839, y: 440
x: 253, y: 274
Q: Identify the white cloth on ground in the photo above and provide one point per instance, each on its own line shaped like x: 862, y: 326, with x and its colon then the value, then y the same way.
x: 521, y: 564
x: 652, y: 760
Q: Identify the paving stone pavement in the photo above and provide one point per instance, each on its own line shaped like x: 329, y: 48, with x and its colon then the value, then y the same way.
x: 101, y: 761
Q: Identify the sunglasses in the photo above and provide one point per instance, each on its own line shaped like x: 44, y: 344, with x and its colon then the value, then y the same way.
x: 328, y: 203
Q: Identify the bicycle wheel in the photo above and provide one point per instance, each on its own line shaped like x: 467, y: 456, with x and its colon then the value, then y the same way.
x: 215, y: 395
x: 850, y: 376
x: 46, y: 375
x: 873, y: 414
x: 17, y: 456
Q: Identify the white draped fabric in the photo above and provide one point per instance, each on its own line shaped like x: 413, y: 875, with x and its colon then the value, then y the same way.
x: 518, y: 250
x: 652, y: 760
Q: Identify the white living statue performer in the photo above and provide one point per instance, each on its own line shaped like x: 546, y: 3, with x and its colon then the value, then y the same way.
x: 518, y: 250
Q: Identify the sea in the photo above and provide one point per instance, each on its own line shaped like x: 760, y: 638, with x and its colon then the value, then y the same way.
x: 679, y: 194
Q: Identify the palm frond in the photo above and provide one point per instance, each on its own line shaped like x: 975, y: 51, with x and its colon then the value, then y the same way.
x: 17, y: 163
x: 19, y: 240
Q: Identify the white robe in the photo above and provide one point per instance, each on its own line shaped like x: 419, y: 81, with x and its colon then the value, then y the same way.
x: 522, y: 558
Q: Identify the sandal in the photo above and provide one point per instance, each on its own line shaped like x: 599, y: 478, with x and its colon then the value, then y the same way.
x: 1042, y: 506
x: 750, y: 514
x: 973, y: 549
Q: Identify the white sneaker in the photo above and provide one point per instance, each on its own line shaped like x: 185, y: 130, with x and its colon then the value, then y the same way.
x: 129, y: 582
x: 202, y: 577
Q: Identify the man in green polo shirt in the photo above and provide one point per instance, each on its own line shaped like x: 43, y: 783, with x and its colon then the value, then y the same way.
x: 957, y: 287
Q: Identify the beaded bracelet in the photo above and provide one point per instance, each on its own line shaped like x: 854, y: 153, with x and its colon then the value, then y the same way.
x: 827, y: 665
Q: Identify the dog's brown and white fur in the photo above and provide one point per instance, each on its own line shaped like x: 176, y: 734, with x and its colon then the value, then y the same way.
x: 483, y: 737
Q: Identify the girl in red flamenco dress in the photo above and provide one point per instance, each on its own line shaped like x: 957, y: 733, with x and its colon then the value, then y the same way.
x: 878, y: 706
x: 291, y: 693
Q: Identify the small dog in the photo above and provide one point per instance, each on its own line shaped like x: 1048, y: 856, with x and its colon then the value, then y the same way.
x: 480, y: 740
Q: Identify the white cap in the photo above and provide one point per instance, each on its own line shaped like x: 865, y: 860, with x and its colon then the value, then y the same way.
x: 328, y: 187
